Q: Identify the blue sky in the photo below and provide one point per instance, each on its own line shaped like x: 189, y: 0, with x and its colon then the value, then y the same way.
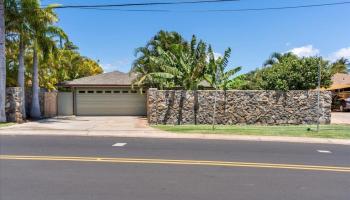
x: 112, y: 36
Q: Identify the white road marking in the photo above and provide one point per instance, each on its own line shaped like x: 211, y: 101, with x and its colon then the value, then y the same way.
x: 323, y: 151
x: 119, y: 144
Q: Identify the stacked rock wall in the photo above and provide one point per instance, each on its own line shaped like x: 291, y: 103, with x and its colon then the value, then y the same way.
x: 14, y: 104
x: 237, y: 107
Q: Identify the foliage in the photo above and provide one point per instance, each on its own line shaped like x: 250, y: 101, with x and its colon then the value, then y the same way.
x: 289, y: 72
x: 67, y: 64
x: 340, y: 66
x: 216, y: 73
x: 326, y: 131
x: 58, y: 58
x: 169, y: 61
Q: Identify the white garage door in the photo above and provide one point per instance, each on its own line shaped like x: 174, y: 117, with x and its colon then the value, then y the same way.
x: 110, y: 102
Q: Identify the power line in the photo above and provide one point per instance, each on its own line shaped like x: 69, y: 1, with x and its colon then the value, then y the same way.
x: 279, y: 8
x: 143, y: 4
x: 214, y: 10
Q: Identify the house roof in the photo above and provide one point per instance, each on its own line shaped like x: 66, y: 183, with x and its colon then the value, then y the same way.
x: 115, y: 78
x: 341, y: 79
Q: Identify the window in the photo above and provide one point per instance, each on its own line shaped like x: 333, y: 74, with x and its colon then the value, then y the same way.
x: 90, y: 91
x: 99, y: 91
x: 116, y: 91
x: 108, y: 91
x: 134, y: 91
x: 81, y: 92
x: 125, y: 91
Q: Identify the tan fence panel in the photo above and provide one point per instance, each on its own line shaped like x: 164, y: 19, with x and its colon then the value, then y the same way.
x: 50, y: 104
x: 65, y: 103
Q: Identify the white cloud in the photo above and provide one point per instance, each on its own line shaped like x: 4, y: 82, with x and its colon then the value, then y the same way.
x: 305, y: 51
x: 341, y: 53
x: 217, y: 55
x: 107, y: 67
x: 120, y: 65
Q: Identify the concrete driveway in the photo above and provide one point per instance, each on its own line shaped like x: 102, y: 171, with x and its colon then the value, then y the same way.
x: 82, y: 126
x: 340, y: 118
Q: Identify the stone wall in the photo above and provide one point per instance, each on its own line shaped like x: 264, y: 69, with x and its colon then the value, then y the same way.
x: 237, y: 107
x: 14, y: 104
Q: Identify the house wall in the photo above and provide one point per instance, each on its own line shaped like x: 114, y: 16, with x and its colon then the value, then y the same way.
x: 237, y: 107
x: 65, y: 104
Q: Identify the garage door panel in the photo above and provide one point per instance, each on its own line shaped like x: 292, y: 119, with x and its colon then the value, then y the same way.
x: 111, y: 104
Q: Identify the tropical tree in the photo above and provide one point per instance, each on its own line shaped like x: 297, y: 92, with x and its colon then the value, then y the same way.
x: 2, y: 63
x: 44, y: 34
x: 289, y: 72
x: 185, y: 63
x: 146, y: 66
x: 276, y: 58
x: 340, y: 66
x: 17, y: 15
x: 216, y: 73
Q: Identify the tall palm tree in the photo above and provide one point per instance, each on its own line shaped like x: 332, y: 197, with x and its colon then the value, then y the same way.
x: 43, y: 40
x: 2, y: 63
x: 18, y: 12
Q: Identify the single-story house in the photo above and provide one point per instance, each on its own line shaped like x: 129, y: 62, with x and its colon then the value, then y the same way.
x: 340, y: 85
x: 104, y: 94
x: 340, y: 89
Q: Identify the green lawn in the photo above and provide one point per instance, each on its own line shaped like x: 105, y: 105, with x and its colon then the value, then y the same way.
x: 6, y: 124
x: 326, y: 131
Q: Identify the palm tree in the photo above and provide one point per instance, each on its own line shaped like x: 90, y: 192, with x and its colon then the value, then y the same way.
x: 43, y: 41
x: 340, y: 66
x: 185, y: 62
x: 170, y: 61
x: 277, y: 58
x: 17, y: 14
x: 2, y: 63
x: 149, y: 73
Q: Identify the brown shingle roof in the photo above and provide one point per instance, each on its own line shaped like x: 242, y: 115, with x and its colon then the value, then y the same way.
x: 341, y: 79
x: 115, y: 78
x: 111, y: 78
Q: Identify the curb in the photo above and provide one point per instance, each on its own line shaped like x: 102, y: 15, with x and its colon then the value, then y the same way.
x: 170, y: 135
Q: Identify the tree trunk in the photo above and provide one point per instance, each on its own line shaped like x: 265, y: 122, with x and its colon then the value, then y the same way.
x: 35, y: 108
x: 21, y: 69
x: 2, y: 64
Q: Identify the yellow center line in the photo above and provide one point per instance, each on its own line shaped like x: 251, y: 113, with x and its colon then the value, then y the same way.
x: 177, y: 162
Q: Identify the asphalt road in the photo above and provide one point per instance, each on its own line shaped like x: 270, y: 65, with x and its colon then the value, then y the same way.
x: 102, y: 171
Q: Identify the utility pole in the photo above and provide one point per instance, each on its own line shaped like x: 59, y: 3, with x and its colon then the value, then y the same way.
x: 2, y: 63
x: 215, y: 96
x: 216, y: 91
x: 318, y: 96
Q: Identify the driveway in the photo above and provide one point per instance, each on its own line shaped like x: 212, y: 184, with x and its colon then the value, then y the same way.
x: 81, y: 126
x: 340, y: 118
